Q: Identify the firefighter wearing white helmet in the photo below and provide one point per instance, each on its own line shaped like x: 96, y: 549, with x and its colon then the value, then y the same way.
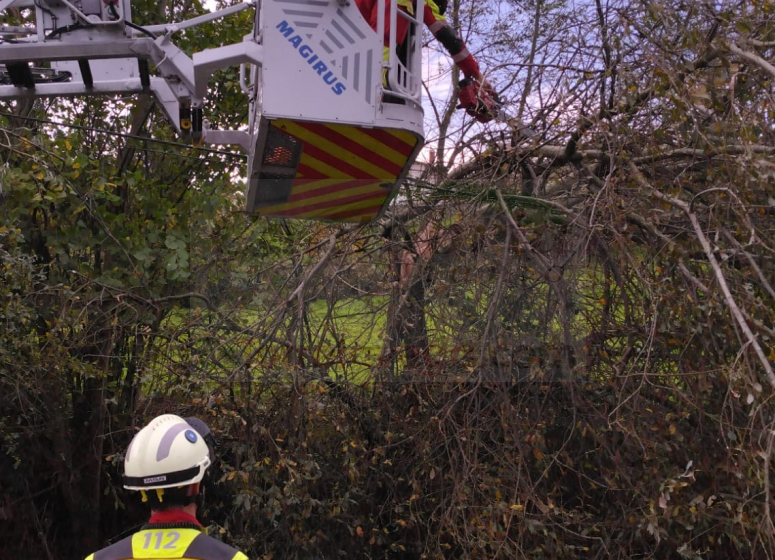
x: 166, y: 461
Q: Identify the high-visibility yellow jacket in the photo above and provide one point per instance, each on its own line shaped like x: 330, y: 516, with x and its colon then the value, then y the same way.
x: 165, y: 543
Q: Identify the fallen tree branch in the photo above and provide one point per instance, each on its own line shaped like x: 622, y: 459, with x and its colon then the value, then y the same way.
x: 298, y: 293
x: 762, y: 278
x: 753, y: 58
x: 762, y: 44
x: 558, y: 156
x: 732, y: 150
x: 708, y: 250
x: 551, y: 272
x: 630, y: 107
x: 649, y: 227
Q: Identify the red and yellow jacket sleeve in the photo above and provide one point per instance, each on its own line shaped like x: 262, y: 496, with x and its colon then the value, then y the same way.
x: 437, y: 24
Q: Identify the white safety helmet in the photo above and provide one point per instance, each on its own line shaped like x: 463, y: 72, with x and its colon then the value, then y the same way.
x: 167, y: 453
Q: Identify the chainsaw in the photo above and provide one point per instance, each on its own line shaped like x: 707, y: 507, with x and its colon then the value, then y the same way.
x: 484, y: 105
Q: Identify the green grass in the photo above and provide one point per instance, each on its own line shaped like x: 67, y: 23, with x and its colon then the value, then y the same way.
x: 357, y: 326
x: 348, y: 335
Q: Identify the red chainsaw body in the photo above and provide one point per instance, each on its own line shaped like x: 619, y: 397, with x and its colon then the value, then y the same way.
x: 477, y: 102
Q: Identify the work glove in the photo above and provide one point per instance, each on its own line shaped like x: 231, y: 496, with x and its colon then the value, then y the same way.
x: 479, y: 99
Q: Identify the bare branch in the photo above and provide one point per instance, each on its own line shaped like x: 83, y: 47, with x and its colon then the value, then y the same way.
x: 730, y: 301
x: 754, y: 58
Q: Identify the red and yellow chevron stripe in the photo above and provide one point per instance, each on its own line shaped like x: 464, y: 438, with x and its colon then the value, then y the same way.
x: 346, y: 173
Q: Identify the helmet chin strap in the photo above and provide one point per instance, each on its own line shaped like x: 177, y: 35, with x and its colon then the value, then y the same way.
x: 199, y: 500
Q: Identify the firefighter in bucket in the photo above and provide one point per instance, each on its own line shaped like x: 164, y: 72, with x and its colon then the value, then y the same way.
x: 475, y: 93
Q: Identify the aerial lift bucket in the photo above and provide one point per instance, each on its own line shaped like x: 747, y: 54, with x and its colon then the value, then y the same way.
x: 331, y: 142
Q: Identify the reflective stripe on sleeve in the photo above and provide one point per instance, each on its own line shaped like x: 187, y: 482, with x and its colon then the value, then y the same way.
x: 462, y: 55
x: 437, y: 26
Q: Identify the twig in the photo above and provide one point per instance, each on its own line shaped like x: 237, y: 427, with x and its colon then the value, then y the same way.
x: 543, y: 263
x: 730, y: 301
x: 494, y: 304
x: 752, y: 262
x: 767, y: 491
x: 298, y: 293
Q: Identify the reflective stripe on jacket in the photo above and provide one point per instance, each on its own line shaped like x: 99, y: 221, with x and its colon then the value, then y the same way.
x: 168, y: 544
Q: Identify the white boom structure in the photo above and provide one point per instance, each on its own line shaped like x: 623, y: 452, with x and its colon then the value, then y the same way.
x: 323, y: 119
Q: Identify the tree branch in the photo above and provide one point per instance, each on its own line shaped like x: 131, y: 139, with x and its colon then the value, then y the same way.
x: 754, y: 58
x: 730, y: 300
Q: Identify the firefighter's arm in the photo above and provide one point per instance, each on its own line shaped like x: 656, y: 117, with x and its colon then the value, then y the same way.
x: 437, y: 24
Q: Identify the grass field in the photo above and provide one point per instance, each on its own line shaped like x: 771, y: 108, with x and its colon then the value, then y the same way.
x: 347, y: 335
